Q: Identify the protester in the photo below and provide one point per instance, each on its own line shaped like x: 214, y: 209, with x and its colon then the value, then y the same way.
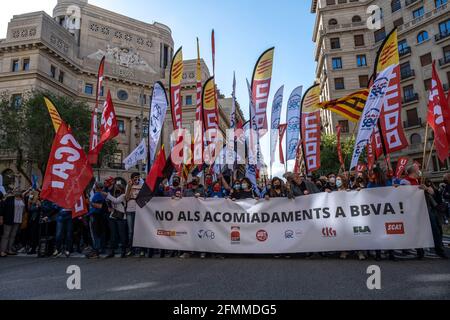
x: 278, y: 189
x: 64, y: 232
x: 245, y: 191
x: 117, y: 221
x: 12, y: 212
x: 35, y: 211
x: 96, y: 217
x: 446, y: 195
x: 297, y: 186
x: 133, y: 188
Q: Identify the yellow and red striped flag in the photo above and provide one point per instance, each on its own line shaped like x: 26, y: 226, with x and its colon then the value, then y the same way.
x: 54, y: 114
x: 349, y: 107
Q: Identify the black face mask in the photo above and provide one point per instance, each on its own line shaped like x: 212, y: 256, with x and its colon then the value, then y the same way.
x: 277, y: 187
x: 176, y: 183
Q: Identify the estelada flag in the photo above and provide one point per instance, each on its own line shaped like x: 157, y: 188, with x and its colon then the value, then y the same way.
x: 109, y: 128
x: 349, y: 107
x: 162, y: 169
x: 438, y: 115
x: 68, y: 171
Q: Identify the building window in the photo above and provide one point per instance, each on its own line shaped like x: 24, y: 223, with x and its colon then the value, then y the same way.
x: 444, y: 28
x: 440, y: 2
x: 16, y: 101
x: 337, y: 63
x: 359, y: 40
x: 356, y: 19
x: 426, y: 59
x: 121, y: 125
x: 339, y: 84
x: 102, y: 91
x: 396, y: 5
x: 344, y: 126
x: 188, y: 100
x: 427, y: 84
x: 422, y: 36
x: 61, y: 77
x: 418, y: 13
x: 405, y: 70
x: 88, y: 88
x: 402, y: 46
x: 164, y: 55
x: 53, y: 72
x: 332, y: 22
x: 335, y: 43
x: 361, y: 60
x: 408, y: 93
x: 399, y: 22
x: 363, y: 81
x: 122, y: 95
x: 412, y: 118
x: 26, y: 65
x: 15, y: 66
x: 380, y: 35
x: 416, y: 139
x: 331, y: 2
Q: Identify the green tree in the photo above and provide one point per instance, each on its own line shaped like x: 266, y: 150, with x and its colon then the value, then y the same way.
x: 329, y: 155
x: 28, y: 130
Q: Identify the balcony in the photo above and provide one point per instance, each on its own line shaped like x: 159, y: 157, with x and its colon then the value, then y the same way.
x: 346, y: 27
x: 411, y: 98
x: 442, y: 35
x: 406, y: 74
x: 411, y: 2
x: 444, y: 61
x: 414, y: 23
x: 404, y: 51
x: 412, y: 124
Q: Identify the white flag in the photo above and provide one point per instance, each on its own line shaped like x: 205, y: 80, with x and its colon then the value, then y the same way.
x: 158, y: 112
x: 293, y: 123
x: 371, y: 113
x: 275, y: 122
x: 140, y: 153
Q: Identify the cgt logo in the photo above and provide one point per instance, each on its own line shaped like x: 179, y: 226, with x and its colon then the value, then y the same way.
x: 206, y: 234
x: 329, y: 233
x: 362, y: 230
x: 395, y: 228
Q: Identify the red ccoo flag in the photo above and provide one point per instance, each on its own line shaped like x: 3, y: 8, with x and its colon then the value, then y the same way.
x: 109, y: 128
x: 438, y: 116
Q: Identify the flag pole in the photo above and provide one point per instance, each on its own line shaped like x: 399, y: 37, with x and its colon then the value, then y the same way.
x: 425, y: 143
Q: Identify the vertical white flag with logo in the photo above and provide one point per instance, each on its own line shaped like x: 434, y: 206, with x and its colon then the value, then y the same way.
x: 293, y: 123
x: 371, y: 113
x: 139, y: 154
x: 275, y: 122
x: 158, y: 112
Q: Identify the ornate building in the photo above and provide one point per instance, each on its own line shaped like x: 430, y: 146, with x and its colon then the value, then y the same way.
x: 346, y: 49
x: 61, y: 54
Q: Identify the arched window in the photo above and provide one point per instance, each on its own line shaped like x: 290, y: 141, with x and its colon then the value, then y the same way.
x: 416, y: 139
x: 356, y: 19
x: 422, y: 36
x: 396, y: 5
x: 332, y: 22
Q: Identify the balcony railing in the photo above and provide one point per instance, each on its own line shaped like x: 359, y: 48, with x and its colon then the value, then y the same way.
x: 345, y: 26
x: 442, y: 35
x: 414, y: 23
x: 405, y: 74
x: 445, y: 60
x: 410, y: 124
x: 410, y: 2
x: 404, y: 51
x: 411, y: 98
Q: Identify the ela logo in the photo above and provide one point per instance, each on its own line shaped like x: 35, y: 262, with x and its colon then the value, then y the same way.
x: 361, y: 230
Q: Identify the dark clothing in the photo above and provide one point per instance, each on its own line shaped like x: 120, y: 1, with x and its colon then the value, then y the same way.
x: 241, y: 195
x: 189, y: 193
x: 64, y: 231
x: 7, y: 211
x: 299, y: 190
x: 274, y: 194
x: 118, y: 228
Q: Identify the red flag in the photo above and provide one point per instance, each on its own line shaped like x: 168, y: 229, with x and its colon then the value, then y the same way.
x: 213, y: 48
x: 438, y: 116
x: 109, y: 128
x: 339, y: 147
x: 401, y: 166
x: 68, y: 172
x: 157, y: 170
x: 361, y: 168
x: 93, y: 139
x: 281, y: 132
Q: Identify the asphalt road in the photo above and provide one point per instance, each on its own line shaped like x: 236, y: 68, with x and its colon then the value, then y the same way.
x: 229, y: 279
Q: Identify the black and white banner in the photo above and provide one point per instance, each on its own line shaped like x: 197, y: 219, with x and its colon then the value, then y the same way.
x: 383, y: 218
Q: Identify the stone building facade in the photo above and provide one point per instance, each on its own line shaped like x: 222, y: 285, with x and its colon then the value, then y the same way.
x: 61, y: 54
x: 346, y: 49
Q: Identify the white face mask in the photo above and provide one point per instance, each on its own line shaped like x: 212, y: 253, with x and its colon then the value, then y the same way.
x: 244, y: 186
x: 338, y: 183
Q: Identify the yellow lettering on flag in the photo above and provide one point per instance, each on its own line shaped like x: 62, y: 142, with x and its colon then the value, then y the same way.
x: 54, y: 114
x: 389, y: 55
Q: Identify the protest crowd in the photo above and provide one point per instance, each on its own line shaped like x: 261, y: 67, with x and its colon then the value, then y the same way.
x: 38, y: 227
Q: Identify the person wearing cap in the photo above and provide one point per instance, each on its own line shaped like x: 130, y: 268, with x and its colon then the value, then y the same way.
x: 11, y: 216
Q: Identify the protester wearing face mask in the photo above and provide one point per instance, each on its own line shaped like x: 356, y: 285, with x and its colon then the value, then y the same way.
x: 278, y: 190
x: 331, y: 184
x: 246, y: 190
x: 234, y: 192
x: 195, y: 189
x: 175, y: 191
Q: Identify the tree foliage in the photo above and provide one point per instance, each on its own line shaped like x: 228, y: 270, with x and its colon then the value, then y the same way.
x: 29, y: 132
x: 329, y: 154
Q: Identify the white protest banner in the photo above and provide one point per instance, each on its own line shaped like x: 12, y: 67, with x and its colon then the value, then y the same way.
x: 372, y: 219
x: 139, y: 154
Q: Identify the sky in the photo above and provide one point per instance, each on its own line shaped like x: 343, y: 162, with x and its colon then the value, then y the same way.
x: 244, y: 29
